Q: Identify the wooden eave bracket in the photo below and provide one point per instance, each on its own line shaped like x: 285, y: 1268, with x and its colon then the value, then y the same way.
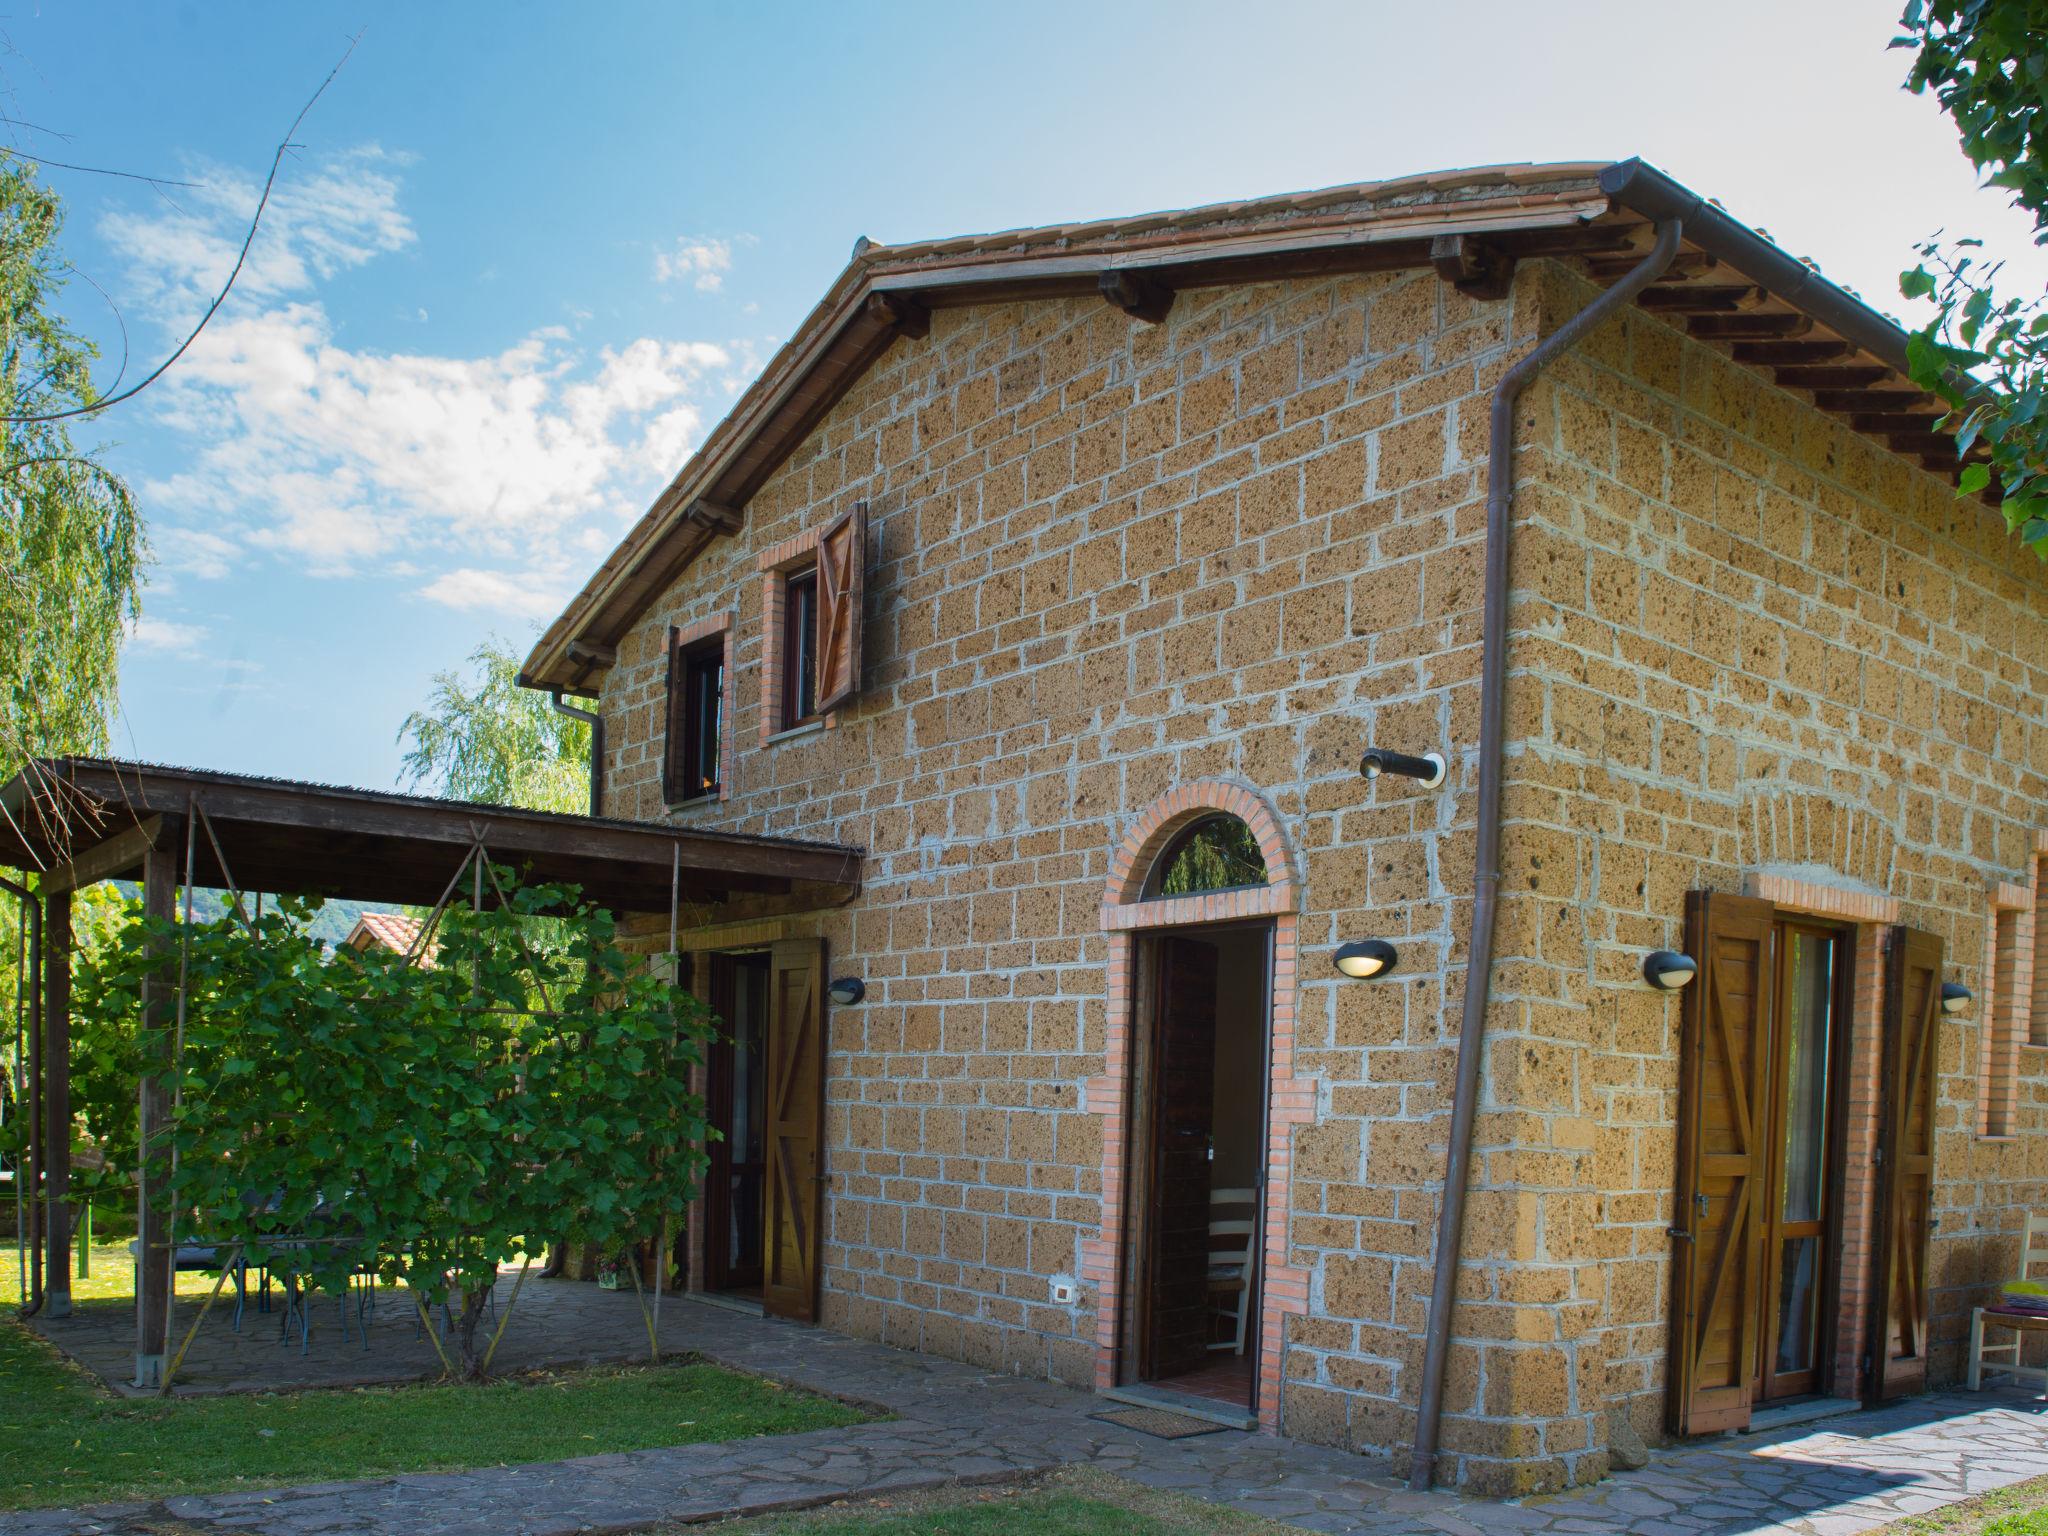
x: 1138, y: 295
x: 901, y: 313
x: 1478, y: 269
x: 592, y: 653
x: 713, y: 518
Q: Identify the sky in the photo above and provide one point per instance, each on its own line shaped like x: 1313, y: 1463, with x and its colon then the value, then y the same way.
x: 524, y: 257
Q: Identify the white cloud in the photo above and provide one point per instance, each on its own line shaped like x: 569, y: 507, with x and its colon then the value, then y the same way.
x: 467, y: 475
x: 496, y: 592
x: 702, y: 259
x: 166, y: 636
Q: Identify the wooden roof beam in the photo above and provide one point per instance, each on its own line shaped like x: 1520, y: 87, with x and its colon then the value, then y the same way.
x: 1778, y: 354
x: 1140, y: 295
x: 713, y: 518
x: 1850, y: 377
x: 903, y: 314
x: 1479, y: 269
x: 1741, y: 327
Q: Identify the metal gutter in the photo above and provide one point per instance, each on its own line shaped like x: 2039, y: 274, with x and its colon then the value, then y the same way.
x: 1642, y: 188
x: 595, y: 721
x: 1500, y: 469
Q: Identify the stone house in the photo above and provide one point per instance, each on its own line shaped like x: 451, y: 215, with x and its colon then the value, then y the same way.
x: 1070, y: 572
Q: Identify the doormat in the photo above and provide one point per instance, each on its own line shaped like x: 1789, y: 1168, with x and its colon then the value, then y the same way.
x: 1160, y: 1422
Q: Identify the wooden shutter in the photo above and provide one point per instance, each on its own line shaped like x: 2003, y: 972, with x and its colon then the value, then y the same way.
x: 1723, y: 1078
x: 1905, y: 1162
x: 674, y: 735
x: 795, y: 1183
x: 842, y: 559
x: 1184, y: 1109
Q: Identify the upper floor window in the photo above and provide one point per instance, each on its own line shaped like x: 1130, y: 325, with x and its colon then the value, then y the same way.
x: 800, y: 648
x: 692, y: 766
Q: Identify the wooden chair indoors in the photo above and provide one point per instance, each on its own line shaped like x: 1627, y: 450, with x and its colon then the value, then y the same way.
x: 1233, y: 1213
x: 2019, y: 1321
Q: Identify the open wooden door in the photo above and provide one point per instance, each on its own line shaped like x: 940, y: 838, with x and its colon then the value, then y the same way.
x: 1905, y: 1161
x: 793, y: 1241
x: 1176, y: 1338
x: 1723, y: 1083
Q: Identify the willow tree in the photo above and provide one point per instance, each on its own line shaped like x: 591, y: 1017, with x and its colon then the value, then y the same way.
x: 71, y: 545
x: 483, y: 737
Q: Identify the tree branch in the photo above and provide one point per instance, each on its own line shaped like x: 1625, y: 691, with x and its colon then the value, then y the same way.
x: 255, y: 222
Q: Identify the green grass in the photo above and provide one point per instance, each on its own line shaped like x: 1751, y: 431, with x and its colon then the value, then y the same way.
x: 1074, y: 1502
x: 70, y: 1442
x: 2021, y: 1509
x: 112, y: 1278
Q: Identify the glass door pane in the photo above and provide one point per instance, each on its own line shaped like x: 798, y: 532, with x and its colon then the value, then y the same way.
x: 1802, y: 1189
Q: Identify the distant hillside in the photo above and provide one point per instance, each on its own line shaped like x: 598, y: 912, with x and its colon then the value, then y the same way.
x: 331, y: 926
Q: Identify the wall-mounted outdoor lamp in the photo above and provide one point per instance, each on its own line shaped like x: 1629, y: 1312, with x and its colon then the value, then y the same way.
x: 1667, y: 969
x: 847, y: 990
x: 1428, y: 769
x: 1364, y: 959
x: 1955, y: 998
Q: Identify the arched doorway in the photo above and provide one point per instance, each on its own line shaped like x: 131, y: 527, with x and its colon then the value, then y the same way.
x: 1198, y: 1092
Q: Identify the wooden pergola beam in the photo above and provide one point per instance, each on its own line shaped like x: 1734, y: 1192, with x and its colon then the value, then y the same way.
x: 118, y: 855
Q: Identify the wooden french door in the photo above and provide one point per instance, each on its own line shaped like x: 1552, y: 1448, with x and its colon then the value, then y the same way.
x: 792, y: 1238
x: 1754, y: 1272
x: 1906, y: 1162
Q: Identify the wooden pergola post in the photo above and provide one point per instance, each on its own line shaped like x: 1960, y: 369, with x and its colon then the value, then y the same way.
x: 153, y: 1206
x: 57, y: 1099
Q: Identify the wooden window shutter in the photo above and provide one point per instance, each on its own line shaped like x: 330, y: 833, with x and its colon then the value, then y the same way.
x: 793, y: 1243
x: 1716, y: 1244
x: 842, y: 561
x: 1905, y: 1155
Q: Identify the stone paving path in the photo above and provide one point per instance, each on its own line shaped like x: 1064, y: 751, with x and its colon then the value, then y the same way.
x: 954, y: 1423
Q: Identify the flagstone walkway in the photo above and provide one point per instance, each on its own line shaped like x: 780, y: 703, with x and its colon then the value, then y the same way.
x: 954, y: 1423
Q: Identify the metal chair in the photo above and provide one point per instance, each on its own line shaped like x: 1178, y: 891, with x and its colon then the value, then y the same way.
x: 2020, y: 1322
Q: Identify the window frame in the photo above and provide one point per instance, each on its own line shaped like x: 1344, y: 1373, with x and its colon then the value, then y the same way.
x: 695, y: 660
x: 688, y: 648
x: 797, y: 704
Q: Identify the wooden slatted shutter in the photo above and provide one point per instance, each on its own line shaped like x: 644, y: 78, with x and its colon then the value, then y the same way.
x: 674, y: 734
x: 1723, y: 1079
x: 1905, y: 1153
x: 842, y: 562
x: 795, y: 1187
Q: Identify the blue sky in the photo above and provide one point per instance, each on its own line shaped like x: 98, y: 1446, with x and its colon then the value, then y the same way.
x: 528, y: 255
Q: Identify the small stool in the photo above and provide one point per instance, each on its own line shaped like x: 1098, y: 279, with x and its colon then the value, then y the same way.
x: 2021, y: 1323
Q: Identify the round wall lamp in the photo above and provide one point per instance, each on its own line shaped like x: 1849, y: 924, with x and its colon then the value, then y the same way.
x: 847, y: 990
x: 1955, y: 998
x: 1667, y: 969
x: 1364, y: 959
x: 1427, y: 770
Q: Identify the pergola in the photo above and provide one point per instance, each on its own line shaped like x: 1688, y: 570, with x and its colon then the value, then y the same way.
x: 71, y: 822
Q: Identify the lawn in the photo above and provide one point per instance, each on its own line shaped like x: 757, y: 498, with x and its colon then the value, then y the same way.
x: 69, y: 1442
x: 1074, y: 1502
x: 2018, y: 1510
x: 113, y: 1275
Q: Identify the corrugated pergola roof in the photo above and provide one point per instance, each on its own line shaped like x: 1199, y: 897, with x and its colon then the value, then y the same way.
x: 77, y: 820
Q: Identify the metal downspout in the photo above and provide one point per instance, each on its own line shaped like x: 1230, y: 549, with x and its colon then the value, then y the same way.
x: 596, y: 723
x: 1500, y: 467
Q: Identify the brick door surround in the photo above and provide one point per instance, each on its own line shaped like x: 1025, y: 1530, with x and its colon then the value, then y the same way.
x: 1125, y: 913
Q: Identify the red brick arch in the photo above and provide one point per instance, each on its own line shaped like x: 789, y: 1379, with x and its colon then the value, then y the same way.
x: 1290, y: 1102
x: 1164, y: 820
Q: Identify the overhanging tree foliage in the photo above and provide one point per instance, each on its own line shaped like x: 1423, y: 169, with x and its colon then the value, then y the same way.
x: 1985, y: 352
x: 491, y: 740
x: 337, y: 1115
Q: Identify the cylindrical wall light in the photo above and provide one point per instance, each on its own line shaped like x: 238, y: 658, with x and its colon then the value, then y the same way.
x: 1366, y: 959
x: 1428, y: 769
x: 1667, y: 969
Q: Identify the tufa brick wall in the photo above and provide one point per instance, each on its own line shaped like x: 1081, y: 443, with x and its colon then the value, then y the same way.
x: 1112, y: 560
